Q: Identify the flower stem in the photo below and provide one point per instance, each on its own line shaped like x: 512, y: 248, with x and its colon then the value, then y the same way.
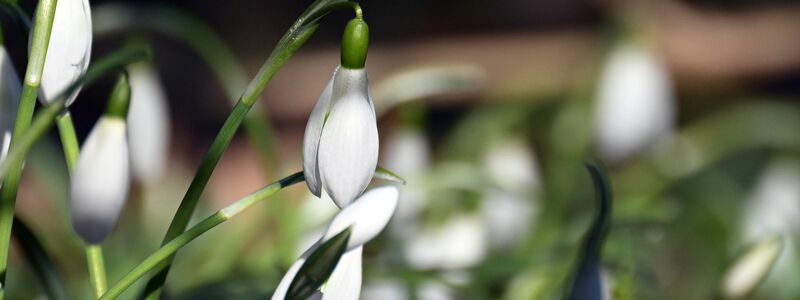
x: 97, y: 269
x: 8, y: 196
x: 69, y: 140
x: 292, y: 40
x: 164, y: 254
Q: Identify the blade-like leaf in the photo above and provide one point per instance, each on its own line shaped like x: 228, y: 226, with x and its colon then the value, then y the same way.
x: 587, y: 282
x: 318, y: 267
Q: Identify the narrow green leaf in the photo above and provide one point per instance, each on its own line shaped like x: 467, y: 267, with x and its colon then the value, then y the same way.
x: 318, y: 267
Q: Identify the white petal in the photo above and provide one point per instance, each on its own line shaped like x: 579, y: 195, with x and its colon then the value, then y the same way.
x: 635, y: 103
x: 69, y: 49
x: 312, y: 136
x: 367, y: 216
x: 286, y: 281
x: 10, y: 90
x: 149, y: 124
x: 348, y: 148
x: 345, y: 281
x: 101, y: 180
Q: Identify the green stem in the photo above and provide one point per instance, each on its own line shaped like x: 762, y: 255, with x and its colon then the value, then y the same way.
x: 69, y: 140
x: 292, y: 40
x: 8, y: 196
x: 97, y: 269
x: 166, y: 252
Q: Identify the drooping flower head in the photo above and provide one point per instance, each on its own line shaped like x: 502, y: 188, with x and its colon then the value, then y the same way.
x: 69, y: 49
x: 340, y: 145
x: 366, y: 218
x: 149, y: 123
x: 635, y: 105
x: 101, y: 179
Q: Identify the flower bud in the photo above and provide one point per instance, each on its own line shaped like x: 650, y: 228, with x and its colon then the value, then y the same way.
x: 149, y: 123
x: 69, y: 49
x: 340, y: 145
x: 101, y: 179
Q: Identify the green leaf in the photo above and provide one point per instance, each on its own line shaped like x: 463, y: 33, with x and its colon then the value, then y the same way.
x: 384, y: 174
x: 318, y: 267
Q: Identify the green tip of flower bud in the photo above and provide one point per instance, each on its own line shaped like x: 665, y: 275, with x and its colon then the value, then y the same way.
x: 120, y: 98
x: 355, y: 43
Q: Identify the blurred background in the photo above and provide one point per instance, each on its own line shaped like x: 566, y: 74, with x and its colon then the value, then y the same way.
x: 488, y: 108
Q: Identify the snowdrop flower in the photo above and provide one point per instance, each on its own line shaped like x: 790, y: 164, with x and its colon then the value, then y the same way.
x: 10, y: 90
x: 101, y: 179
x: 408, y: 153
x: 508, y: 217
x: 340, y: 145
x: 69, y: 49
x: 635, y: 104
x: 149, y: 123
x: 366, y: 218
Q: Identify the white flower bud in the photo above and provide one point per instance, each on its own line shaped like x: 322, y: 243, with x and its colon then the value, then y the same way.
x: 69, y: 49
x: 635, y: 104
x: 340, y: 145
x: 149, y: 123
x: 101, y: 180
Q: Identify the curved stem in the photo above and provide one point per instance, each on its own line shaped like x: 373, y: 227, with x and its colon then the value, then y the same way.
x: 8, y: 196
x: 165, y: 253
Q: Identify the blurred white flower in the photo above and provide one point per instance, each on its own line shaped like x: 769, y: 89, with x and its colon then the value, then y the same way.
x: 750, y: 269
x: 635, y: 104
x: 512, y: 165
x: 774, y: 206
x: 384, y: 290
x: 460, y: 242
x: 408, y: 153
x: 10, y: 90
x: 149, y: 123
x: 340, y: 145
x: 432, y: 290
x: 508, y: 217
x: 366, y: 218
x: 69, y: 49
x: 101, y: 180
